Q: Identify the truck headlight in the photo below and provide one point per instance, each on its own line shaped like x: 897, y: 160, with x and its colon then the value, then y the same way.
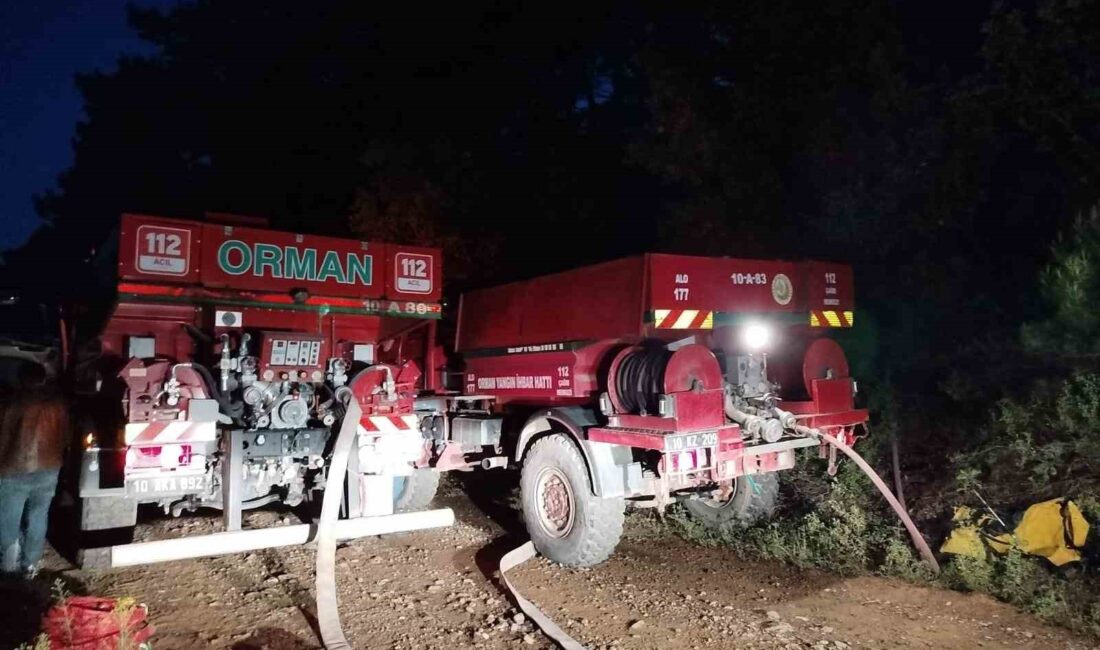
x: 756, y: 336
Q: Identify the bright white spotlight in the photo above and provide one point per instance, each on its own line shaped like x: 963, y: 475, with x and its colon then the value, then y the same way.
x: 756, y: 336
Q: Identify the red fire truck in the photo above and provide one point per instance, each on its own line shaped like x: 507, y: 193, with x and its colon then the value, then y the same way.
x: 230, y: 335
x: 652, y: 379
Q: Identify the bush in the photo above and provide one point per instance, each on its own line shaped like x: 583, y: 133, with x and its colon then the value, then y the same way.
x: 1015, y: 418
x: 830, y: 523
x: 1065, y: 597
x: 840, y: 524
x: 1045, y: 443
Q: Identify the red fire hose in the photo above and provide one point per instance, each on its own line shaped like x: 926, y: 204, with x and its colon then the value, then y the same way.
x: 918, y: 539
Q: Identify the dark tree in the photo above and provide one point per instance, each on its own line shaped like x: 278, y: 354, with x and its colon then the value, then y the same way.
x: 495, y: 120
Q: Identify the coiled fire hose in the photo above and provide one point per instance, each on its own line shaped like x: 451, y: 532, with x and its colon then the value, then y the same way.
x: 789, y: 422
x: 640, y: 379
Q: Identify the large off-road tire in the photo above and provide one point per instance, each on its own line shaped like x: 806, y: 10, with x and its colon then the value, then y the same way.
x: 754, y: 498
x: 416, y: 491
x: 566, y: 521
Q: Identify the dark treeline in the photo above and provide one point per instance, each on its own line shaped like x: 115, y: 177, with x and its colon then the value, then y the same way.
x: 939, y: 149
x: 940, y: 157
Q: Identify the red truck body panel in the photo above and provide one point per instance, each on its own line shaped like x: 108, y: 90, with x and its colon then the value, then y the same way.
x: 638, y: 296
x: 728, y: 285
x: 555, y: 339
x: 174, y: 272
x: 547, y: 339
x: 214, y: 256
x: 590, y: 303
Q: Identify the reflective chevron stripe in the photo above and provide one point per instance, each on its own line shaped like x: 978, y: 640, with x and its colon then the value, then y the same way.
x: 683, y: 319
x: 832, y: 319
x: 390, y: 423
x: 146, y: 433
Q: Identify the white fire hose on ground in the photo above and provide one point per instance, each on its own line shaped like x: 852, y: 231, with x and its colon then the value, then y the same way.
x: 328, y: 610
x: 514, y: 558
x: 328, y: 615
x: 330, y: 529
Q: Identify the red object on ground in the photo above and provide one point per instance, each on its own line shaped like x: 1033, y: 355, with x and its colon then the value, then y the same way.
x: 93, y: 623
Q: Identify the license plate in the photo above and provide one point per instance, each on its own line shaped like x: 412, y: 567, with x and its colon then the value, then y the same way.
x: 159, y: 485
x: 691, y: 441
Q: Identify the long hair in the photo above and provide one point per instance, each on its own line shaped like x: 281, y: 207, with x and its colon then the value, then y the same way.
x: 33, y: 425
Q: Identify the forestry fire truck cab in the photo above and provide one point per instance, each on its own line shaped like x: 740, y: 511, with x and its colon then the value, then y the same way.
x: 652, y: 380
x: 224, y: 334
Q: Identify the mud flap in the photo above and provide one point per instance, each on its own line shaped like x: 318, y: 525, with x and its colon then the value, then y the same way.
x: 104, y: 513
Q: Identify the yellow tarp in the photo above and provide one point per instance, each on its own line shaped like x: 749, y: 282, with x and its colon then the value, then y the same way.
x: 965, y: 538
x: 1053, y: 529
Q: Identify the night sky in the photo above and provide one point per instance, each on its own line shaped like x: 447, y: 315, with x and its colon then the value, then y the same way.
x: 42, y: 46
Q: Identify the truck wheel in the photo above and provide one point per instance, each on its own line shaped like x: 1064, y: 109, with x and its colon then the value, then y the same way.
x: 416, y: 491
x: 566, y: 522
x: 754, y: 498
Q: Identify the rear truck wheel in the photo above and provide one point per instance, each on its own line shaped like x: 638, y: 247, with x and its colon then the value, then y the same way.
x: 416, y: 491
x: 754, y: 497
x: 566, y: 521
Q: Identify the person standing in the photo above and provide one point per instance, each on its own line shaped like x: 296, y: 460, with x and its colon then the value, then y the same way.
x: 33, y: 432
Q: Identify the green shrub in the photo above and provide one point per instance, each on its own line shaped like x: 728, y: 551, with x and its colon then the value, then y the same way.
x: 969, y: 574
x: 1045, y: 443
x: 1064, y: 597
x: 826, y: 522
x: 901, y: 560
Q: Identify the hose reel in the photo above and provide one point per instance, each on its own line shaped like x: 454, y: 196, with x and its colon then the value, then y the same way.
x: 638, y: 379
x: 639, y: 375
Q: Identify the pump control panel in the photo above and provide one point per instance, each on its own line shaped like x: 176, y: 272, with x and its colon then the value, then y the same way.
x: 292, y: 353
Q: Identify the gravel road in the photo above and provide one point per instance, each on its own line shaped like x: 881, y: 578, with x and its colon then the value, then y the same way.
x: 438, y: 589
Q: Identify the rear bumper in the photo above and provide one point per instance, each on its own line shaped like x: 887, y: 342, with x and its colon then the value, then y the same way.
x: 829, y: 420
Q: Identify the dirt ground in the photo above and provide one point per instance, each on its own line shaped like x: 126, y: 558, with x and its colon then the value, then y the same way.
x: 438, y: 589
